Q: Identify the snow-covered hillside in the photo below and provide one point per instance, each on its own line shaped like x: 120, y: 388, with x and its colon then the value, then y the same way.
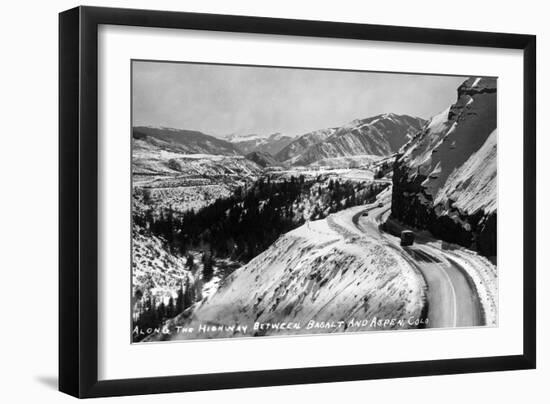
x: 165, y: 178
x: 159, y: 276
x: 445, y: 177
x: 314, y: 273
x: 380, y: 135
x: 302, y: 143
x: 473, y: 186
x: 150, y: 158
x: 155, y: 271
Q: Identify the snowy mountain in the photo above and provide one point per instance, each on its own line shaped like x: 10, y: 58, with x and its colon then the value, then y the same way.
x: 380, y: 135
x: 184, y: 141
x: 271, y: 144
x: 302, y: 143
x: 445, y: 178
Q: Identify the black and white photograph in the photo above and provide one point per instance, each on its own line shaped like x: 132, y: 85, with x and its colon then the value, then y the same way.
x: 240, y: 201
x: 280, y: 201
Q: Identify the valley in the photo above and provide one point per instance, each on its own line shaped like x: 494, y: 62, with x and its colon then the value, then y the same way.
x: 255, y: 230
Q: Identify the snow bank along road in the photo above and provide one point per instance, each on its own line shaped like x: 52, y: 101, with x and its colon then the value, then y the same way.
x: 452, y: 298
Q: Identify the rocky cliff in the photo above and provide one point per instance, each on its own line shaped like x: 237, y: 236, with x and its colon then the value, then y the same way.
x: 444, y: 179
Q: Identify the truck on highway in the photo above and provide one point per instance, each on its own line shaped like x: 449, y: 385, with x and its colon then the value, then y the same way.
x: 407, y: 238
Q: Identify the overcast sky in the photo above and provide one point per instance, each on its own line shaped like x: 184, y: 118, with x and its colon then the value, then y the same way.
x: 221, y: 100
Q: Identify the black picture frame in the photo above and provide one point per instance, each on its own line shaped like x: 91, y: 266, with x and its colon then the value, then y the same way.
x: 78, y: 201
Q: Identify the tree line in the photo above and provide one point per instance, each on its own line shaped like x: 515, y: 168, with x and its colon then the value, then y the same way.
x: 149, y: 314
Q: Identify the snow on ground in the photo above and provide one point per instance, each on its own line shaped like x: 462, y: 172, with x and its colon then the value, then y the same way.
x: 185, y: 182
x: 481, y: 272
x: 158, y: 273
x: 473, y: 186
x: 352, y: 174
x: 420, y: 151
x: 181, y: 198
x: 353, y: 161
x: 380, y: 135
x: 154, y: 270
x: 313, y: 273
x: 166, y: 155
x: 148, y: 159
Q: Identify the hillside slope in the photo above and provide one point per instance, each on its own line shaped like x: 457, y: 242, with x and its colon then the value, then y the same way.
x: 184, y: 141
x: 302, y: 143
x: 166, y: 176
x: 380, y: 135
x: 155, y: 271
x: 262, y: 159
x: 314, y: 272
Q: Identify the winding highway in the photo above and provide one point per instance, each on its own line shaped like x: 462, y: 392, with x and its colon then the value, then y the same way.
x: 451, y: 297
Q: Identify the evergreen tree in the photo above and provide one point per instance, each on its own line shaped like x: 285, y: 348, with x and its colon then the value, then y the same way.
x: 189, y: 295
x: 180, y: 304
x: 170, y: 309
x: 208, y: 267
x: 161, y: 311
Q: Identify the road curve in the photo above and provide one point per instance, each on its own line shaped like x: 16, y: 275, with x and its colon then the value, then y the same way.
x: 451, y: 297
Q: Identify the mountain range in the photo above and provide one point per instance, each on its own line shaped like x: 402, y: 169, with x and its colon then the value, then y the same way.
x: 381, y: 135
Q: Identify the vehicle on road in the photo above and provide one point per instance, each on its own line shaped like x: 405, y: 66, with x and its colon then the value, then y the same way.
x: 407, y: 238
x: 365, y: 213
x: 380, y: 205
